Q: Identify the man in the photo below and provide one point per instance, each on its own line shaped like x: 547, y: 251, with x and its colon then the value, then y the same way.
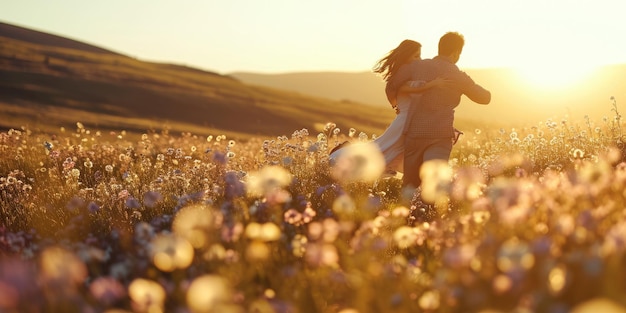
x: 429, y: 128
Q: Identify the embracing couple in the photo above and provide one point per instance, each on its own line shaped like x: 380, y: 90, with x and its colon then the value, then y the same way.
x: 424, y: 93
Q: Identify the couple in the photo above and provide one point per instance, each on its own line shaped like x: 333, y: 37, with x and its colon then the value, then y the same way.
x: 424, y: 94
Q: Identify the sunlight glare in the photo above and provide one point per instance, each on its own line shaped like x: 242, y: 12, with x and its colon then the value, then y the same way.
x: 554, y: 74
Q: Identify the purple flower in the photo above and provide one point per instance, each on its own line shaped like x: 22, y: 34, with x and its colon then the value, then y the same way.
x: 93, y: 207
x: 151, y: 198
x: 132, y: 203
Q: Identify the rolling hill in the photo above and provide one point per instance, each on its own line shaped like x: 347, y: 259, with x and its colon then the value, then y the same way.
x: 47, y: 81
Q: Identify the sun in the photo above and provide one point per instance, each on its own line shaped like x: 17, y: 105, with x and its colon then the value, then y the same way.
x: 553, y: 74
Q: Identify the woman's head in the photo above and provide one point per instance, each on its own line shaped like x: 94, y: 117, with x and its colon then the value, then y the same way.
x: 407, y: 51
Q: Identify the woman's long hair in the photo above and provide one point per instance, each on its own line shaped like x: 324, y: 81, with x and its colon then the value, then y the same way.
x: 397, y: 57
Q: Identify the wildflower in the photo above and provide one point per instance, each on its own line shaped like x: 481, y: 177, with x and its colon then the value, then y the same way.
x: 308, y: 214
x: 502, y: 284
x: 436, y: 178
x: 61, y: 269
x: 132, y: 203
x: 263, y: 232
x: 107, y: 290
x: 123, y: 194
x: 170, y: 252
x: 329, y: 126
x: 267, y: 180
x: 293, y: 217
x: 232, y: 233
x: 146, y: 295
x: 68, y: 164
x: 321, y: 254
x: 75, y: 203
x: 298, y: 245
x: 459, y: 256
x: 75, y: 173
x: 194, y: 223
x: 344, y: 205
x: 48, y: 145
x: 515, y: 256
x: 351, y: 132
x: 220, y: 158
x: 151, y: 198
x: 93, y: 207
x: 577, y: 154
x: 430, y: 300
x: 405, y: 237
x: 557, y: 279
x: 257, y: 251
x: 359, y: 162
x: 109, y: 168
x: 210, y: 293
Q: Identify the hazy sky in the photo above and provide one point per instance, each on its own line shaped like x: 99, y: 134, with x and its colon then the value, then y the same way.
x: 276, y: 36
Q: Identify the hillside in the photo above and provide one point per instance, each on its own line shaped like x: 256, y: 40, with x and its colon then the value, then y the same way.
x: 513, y: 97
x: 48, y: 81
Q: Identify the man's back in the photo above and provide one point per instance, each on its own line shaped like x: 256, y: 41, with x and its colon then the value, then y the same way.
x: 432, y: 113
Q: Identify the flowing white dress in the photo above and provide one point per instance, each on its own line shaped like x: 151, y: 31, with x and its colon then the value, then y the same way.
x: 391, y: 142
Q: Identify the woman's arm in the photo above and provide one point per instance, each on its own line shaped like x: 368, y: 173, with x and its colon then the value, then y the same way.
x: 417, y: 86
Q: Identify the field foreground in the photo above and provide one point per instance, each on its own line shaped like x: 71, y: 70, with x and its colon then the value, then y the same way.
x: 529, y: 219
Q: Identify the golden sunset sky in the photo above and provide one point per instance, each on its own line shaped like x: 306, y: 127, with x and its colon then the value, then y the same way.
x: 555, y: 38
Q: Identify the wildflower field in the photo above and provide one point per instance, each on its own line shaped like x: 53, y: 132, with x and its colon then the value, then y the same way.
x: 530, y: 218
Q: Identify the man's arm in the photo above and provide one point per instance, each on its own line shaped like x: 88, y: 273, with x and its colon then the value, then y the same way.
x: 472, y: 90
x: 396, y: 82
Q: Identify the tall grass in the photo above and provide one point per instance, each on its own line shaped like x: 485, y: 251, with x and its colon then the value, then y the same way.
x: 529, y: 219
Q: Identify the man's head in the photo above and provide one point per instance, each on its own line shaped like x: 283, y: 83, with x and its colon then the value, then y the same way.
x: 451, y: 45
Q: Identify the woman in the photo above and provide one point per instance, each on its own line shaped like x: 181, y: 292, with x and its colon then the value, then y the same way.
x: 391, y: 142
